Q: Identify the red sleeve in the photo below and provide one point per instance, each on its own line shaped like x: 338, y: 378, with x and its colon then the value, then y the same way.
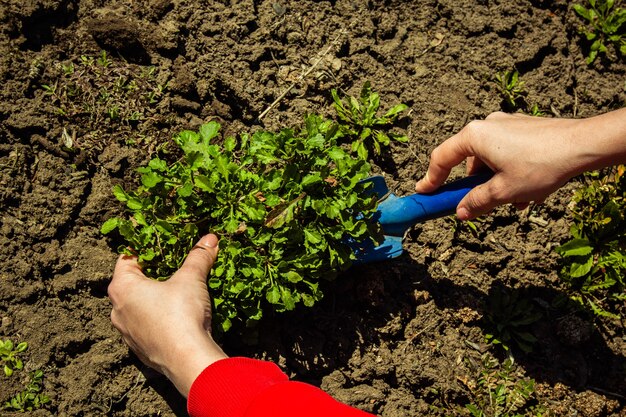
x: 243, y: 387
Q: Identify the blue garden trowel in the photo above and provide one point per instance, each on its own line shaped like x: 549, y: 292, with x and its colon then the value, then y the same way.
x: 396, y: 214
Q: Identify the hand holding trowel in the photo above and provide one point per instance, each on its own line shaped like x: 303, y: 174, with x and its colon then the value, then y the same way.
x: 396, y: 214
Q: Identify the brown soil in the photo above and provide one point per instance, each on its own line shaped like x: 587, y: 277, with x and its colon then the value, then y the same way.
x: 391, y: 338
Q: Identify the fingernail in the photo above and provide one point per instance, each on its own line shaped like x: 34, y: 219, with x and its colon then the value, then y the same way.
x: 463, y: 213
x: 420, y: 184
x: 210, y: 241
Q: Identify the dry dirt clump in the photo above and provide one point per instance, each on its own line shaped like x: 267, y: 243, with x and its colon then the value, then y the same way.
x: 91, y: 89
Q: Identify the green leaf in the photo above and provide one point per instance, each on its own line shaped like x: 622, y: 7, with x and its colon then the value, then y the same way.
x: 582, y: 11
x: 204, y: 183
x: 312, y: 236
x: 226, y: 324
x: 148, y: 255
x: 231, y: 225
x: 382, y: 138
x: 120, y: 194
x: 359, y: 148
x: 158, y: 165
x: 134, y: 203
x: 311, y: 179
x: 399, y: 138
x: 373, y: 104
x: 581, y: 268
x: 336, y: 154
x: 221, y: 163
x: 596, y: 45
x: 592, y: 57
x: 308, y: 300
x: 283, y: 213
x: 273, y: 295
x: 186, y: 190
x: 109, y: 225
x: 316, y: 141
x: 140, y: 218
x: 474, y: 411
x: 287, y: 298
x: 150, y: 179
x: 575, y: 247
x: 209, y: 130
x: 396, y: 110
x: 230, y: 143
x: 293, y: 276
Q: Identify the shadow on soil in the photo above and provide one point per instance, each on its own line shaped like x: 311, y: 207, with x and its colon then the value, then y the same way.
x: 360, y: 305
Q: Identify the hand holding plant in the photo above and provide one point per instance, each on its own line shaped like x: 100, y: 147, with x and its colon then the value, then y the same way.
x: 167, y: 324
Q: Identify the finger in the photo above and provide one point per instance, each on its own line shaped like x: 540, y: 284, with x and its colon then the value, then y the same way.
x: 127, y: 268
x: 445, y: 157
x: 200, y: 259
x: 481, y: 200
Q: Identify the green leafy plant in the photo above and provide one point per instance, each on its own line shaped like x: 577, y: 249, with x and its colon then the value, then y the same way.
x: 536, y: 111
x: 500, y: 390
x: 471, y: 226
x: 594, y: 259
x: 511, y: 88
x: 9, y: 356
x: 98, y: 95
x: 605, y: 25
x: 509, y: 317
x: 285, y: 205
x: 31, y: 398
x: 361, y: 121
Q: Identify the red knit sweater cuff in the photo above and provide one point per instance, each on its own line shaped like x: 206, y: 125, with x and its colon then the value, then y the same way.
x: 227, y: 387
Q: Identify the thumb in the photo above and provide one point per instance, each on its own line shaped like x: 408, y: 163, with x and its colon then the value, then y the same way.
x: 201, y: 258
x: 481, y: 200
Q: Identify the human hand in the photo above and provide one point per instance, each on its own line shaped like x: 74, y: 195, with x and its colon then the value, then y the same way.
x: 531, y: 158
x: 167, y: 324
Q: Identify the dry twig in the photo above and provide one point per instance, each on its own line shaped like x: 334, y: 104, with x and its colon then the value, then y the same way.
x: 302, y: 76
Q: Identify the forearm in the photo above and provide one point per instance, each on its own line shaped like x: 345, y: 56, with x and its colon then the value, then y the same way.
x: 186, y: 361
x: 599, y: 142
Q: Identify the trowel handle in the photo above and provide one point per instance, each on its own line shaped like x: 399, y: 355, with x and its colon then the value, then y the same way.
x: 398, y: 214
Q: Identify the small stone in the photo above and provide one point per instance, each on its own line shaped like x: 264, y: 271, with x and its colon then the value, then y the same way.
x: 421, y: 296
x: 7, y: 322
x: 279, y: 9
x: 539, y: 221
